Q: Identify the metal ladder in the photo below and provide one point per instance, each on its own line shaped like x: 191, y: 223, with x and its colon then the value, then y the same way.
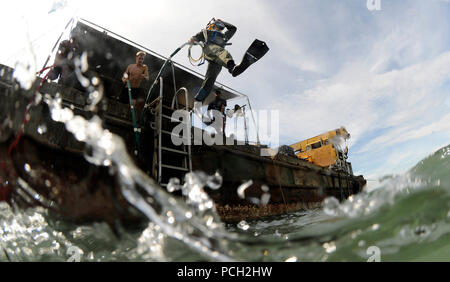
x: 166, y: 152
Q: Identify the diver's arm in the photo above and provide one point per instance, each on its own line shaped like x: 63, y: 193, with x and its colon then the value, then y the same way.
x: 231, y: 30
x: 198, y: 37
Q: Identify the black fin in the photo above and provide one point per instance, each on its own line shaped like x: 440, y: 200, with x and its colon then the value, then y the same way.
x: 256, y: 51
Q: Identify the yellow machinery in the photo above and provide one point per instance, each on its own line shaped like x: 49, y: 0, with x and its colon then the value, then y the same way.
x: 326, y: 149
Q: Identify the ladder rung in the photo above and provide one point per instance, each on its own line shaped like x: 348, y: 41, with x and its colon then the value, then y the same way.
x: 175, y: 135
x: 153, y: 102
x: 172, y: 119
x: 170, y: 133
x: 174, y: 151
x: 175, y: 167
x: 167, y: 107
x: 173, y: 109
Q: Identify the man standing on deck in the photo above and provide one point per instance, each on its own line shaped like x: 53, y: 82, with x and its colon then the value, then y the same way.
x: 63, y: 66
x: 135, y: 73
x: 218, y: 105
x: 214, y: 42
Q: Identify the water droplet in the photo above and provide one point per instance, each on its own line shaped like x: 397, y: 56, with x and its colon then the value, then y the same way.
x: 84, y: 62
x: 254, y: 200
x: 170, y: 217
x: 214, y: 181
x: 209, y: 221
x: 242, y: 187
x: 27, y: 167
x: 265, y: 199
x: 173, y: 185
x: 37, y: 98
x: 95, y: 81
x: 421, y: 230
x: 291, y: 259
x: 243, y: 225
x: 94, y: 95
x: 331, y: 206
x: 329, y: 247
x: 42, y: 129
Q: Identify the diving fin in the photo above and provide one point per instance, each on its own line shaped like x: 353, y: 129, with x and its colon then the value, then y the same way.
x: 256, y: 51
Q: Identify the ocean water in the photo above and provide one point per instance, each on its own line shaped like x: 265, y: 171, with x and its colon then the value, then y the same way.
x: 404, y: 218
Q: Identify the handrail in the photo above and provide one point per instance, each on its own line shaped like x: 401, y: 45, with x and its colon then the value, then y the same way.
x: 160, y: 125
x: 186, y: 106
x: 176, y: 95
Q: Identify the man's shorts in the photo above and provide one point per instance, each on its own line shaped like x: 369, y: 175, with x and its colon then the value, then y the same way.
x: 135, y: 93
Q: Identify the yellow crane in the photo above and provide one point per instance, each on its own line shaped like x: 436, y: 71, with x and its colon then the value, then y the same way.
x: 326, y: 149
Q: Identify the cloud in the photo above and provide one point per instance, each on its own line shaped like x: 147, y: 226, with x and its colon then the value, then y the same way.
x: 403, y: 134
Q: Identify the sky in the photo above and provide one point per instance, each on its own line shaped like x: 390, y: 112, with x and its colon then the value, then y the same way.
x: 383, y: 74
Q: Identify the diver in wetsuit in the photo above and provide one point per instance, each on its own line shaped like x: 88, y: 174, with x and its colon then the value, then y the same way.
x: 214, y: 41
x: 214, y: 49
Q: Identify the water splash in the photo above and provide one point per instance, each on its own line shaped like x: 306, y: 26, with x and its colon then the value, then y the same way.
x: 204, y: 231
x: 27, y: 236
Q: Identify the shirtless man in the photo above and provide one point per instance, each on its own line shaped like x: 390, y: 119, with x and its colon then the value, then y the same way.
x: 135, y: 73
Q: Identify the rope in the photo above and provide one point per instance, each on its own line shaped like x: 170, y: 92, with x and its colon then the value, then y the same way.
x: 27, y: 109
x: 42, y: 70
x: 193, y: 61
x: 279, y: 183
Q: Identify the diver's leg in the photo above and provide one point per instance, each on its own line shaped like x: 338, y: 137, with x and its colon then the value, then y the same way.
x: 224, y: 58
x: 210, y: 77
